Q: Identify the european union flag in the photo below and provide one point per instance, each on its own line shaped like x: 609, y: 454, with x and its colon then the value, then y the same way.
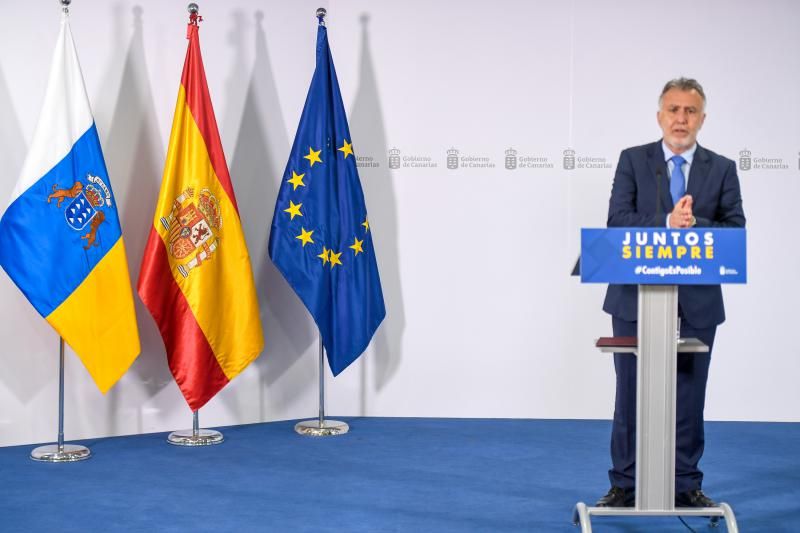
x: 320, y: 239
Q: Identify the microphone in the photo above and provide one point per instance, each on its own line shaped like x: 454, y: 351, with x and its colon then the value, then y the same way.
x: 658, y: 197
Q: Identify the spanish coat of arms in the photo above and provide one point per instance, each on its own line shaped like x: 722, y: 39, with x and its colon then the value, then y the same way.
x: 193, y: 225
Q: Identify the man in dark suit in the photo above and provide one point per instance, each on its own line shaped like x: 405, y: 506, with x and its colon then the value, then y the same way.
x: 672, y: 183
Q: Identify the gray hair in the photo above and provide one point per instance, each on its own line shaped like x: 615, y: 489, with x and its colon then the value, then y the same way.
x: 683, y: 84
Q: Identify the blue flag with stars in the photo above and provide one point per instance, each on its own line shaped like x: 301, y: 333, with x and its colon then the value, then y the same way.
x: 320, y: 239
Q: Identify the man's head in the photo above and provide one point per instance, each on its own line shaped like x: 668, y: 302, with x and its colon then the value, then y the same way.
x: 681, y: 113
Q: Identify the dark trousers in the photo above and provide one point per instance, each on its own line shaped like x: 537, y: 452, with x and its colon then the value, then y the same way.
x: 690, y: 402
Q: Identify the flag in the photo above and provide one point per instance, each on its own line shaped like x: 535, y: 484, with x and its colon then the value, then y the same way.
x: 60, y: 236
x: 196, y: 278
x: 320, y: 239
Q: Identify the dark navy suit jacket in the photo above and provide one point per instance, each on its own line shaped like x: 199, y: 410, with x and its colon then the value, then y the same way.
x: 640, y: 197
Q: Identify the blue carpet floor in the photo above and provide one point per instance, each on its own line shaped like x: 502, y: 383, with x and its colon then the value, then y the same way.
x: 397, y: 474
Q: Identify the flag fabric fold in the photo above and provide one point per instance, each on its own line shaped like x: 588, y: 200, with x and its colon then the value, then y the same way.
x: 60, y: 236
x: 320, y: 239
x: 196, y: 279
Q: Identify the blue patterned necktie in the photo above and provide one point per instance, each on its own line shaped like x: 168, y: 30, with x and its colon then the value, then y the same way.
x: 677, y: 183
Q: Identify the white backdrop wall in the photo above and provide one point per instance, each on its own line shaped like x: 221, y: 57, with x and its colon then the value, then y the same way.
x: 483, y: 319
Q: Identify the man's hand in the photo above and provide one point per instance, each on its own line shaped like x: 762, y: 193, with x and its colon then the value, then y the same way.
x: 681, y: 216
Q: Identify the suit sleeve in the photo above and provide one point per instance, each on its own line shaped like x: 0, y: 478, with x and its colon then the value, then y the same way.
x: 622, y: 211
x: 729, y: 213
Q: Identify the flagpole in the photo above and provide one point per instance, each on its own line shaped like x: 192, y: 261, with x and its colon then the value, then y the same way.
x: 321, y: 427
x: 321, y: 383
x: 194, y: 436
x: 60, y: 452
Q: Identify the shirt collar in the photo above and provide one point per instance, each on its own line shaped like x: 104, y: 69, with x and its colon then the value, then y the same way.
x: 688, y: 155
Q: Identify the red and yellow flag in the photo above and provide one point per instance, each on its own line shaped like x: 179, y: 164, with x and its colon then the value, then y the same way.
x: 196, y: 278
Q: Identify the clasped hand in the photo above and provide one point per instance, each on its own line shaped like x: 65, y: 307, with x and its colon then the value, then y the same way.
x: 681, y: 216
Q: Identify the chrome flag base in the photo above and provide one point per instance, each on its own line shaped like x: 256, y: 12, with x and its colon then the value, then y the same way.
x: 328, y: 428
x: 60, y: 452
x: 201, y: 437
x: 195, y: 436
x: 66, y: 453
x: 320, y: 426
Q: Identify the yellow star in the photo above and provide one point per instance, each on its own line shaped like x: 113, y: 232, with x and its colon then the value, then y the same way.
x: 365, y: 224
x: 297, y: 180
x: 324, y: 256
x: 356, y: 246
x: 294, y: 210
x: 305, y: 236
x: 334, y: 258
x: 313, y: 157
x: 347, y: 149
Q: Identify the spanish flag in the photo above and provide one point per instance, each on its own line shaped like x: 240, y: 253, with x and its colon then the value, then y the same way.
x: 195, y: 277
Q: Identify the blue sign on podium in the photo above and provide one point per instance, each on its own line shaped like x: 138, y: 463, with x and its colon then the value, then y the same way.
x: 664, y: 256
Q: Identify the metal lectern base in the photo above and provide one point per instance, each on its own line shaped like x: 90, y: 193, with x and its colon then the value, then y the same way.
x: 582, y: 514
x: 328, y: 428
x: 53, y: 453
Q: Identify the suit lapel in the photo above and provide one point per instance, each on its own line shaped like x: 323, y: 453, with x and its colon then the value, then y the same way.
x: 658, y: 167
x: 698, y: 172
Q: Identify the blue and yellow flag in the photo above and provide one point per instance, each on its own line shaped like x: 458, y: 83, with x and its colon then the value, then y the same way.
x: 321, y: 240
x: 60, y: 237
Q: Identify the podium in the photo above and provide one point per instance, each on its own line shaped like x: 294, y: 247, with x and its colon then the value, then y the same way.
x: 658, y: 260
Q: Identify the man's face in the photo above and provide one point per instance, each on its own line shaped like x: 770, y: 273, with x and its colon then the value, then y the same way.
x: 681, y: 116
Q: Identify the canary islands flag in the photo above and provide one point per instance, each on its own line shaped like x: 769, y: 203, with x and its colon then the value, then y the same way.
x: 196, y: 278
x: 60, y: 237
x: 321, y: 240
